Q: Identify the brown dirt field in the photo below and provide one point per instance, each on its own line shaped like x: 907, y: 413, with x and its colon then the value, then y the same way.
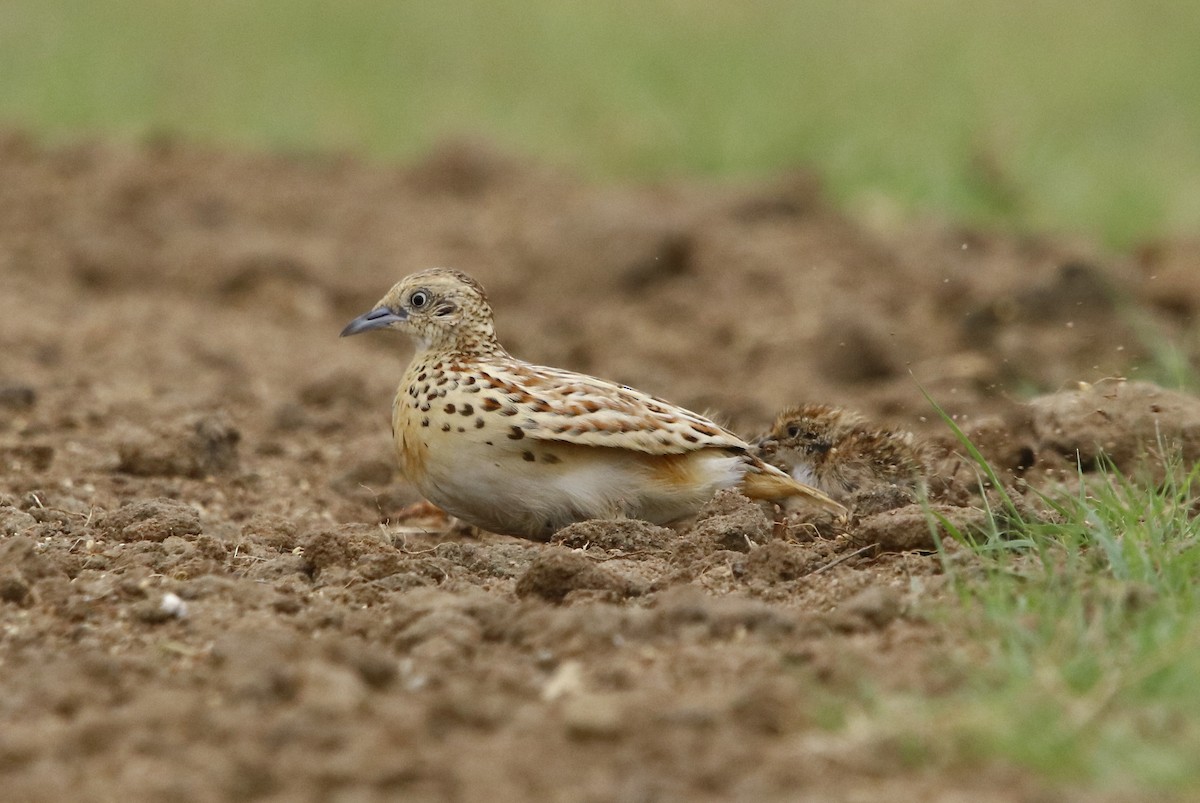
x: 213, y: 584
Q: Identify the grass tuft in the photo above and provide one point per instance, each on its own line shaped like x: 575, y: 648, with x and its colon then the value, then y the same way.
x: 1088, y: 640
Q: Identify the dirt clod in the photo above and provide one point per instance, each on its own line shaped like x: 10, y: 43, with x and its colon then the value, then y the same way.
x: 14, y: 521
x: 22, y: 565
x: 197, y: 447
x: 876, y: 606
x: 555, y: 573
x: 621, y: 535
x: 731, y: 521
x: 344, y: 547
x: 773, y: 706
x: 152, y: 520
x: 594, y: 716
x: 13, y: 587
x: 23, y: 457
x: 17, y: 395
x: 1121, y: 422
x: 776, y: 562
x: 909, y: 528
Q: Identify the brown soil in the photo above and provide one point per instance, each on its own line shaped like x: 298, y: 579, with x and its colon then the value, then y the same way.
x: 213, y: 584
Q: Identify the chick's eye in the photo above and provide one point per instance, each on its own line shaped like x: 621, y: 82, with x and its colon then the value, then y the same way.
x: 419, y: 299
x: 793, y: 431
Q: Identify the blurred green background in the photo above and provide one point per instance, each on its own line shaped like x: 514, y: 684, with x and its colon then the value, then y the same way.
x: 1062, y: 115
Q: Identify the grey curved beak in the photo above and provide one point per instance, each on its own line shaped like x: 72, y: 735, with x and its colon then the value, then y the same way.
x: 378, y: 318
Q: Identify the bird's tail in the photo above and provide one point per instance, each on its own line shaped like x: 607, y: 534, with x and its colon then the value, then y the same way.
x: 765, y: 482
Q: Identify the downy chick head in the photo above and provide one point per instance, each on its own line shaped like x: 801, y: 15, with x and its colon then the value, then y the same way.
x: 807, y: 436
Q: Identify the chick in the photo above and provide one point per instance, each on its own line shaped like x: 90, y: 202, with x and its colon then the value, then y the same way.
x: 839, y: 452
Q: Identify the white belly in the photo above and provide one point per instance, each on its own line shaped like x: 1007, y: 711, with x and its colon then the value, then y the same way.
x: 498, y: 489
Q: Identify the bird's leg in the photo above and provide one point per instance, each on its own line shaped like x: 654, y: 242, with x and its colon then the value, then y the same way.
x: 780, y: 530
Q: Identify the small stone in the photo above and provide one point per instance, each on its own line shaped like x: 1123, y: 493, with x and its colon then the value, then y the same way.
x: 172, y: 605
x: 566, y: 681
x: 151, y: 612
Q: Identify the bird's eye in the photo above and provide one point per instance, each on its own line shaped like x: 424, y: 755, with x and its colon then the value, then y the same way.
x: 418, y: 299
x: 793, y: 431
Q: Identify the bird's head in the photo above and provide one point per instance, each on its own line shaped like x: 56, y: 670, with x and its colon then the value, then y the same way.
x: 807, y: 433
x: 443, y: 309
